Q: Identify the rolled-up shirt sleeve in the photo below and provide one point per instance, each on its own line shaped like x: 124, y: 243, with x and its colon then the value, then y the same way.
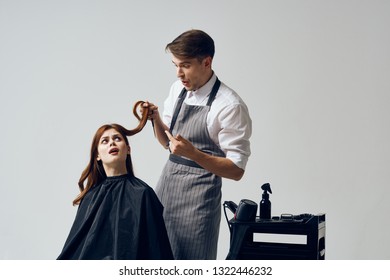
x: 234, y: 132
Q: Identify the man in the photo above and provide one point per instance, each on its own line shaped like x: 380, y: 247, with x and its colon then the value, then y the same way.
x: 206, y: 127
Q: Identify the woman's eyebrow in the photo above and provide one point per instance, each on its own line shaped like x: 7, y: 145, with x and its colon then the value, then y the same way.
x: 108, y: 136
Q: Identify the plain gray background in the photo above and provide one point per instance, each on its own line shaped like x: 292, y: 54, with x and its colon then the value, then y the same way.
x: 315, y: 75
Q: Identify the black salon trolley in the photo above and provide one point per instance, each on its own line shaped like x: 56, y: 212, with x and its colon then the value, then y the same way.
x: 243, y: 245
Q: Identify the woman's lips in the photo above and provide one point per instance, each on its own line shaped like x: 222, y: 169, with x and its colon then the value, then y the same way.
x: 113, y: 151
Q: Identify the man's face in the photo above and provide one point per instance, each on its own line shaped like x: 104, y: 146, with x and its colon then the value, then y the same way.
x: 192, y: 72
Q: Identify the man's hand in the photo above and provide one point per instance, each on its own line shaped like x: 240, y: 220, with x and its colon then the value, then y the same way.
x: 153, y: 110
x: 180, y: 146
x: 220, y: 166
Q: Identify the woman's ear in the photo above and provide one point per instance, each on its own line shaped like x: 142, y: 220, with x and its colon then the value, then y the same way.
x: 128, y: 150
x: 98, y: 158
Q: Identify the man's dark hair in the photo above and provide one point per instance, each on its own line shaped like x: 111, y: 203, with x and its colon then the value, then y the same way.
x: 192, y: 44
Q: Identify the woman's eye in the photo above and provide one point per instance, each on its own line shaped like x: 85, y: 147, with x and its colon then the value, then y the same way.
x: 117, y: 139
x: 104, y: 141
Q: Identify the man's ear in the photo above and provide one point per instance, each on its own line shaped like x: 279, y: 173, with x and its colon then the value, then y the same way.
x: 207, y: 61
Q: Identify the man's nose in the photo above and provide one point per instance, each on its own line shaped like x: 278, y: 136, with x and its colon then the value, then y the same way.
x: 179, y: 72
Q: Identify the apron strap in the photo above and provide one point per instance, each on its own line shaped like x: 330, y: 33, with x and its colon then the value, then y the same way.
x: 214, y: 91
x: 179, y: 102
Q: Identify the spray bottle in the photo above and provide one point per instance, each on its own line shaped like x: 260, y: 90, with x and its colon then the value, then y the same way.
x: 265, y: 203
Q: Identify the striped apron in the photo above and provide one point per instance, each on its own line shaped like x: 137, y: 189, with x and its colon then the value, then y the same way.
x: 191, y: 195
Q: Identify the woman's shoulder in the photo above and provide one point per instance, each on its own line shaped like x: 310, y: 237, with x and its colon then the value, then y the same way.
x: 140, y: 184
x: 144, y: 190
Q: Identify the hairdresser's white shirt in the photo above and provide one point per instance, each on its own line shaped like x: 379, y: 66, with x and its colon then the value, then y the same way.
x: 228, y: 121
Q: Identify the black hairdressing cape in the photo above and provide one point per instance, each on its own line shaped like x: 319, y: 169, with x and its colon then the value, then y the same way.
x: 118, y: 219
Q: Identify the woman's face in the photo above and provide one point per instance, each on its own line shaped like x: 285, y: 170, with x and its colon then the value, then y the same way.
x: 112, y: 151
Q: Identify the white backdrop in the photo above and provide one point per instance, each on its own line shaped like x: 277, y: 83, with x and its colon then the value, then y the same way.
x: 315, y: 75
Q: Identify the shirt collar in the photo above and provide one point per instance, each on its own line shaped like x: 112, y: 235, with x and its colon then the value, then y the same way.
x: 201, y: 93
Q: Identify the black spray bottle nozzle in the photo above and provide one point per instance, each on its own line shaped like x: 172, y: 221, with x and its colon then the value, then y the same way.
x: 266, y: 188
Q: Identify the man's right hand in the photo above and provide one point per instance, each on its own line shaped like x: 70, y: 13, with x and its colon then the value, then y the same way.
x: 153, y: 110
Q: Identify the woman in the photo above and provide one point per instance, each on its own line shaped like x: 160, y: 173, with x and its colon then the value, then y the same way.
x: 119, y: 215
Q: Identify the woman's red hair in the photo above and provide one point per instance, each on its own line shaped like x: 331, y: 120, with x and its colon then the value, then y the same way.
x: 94, y: 172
